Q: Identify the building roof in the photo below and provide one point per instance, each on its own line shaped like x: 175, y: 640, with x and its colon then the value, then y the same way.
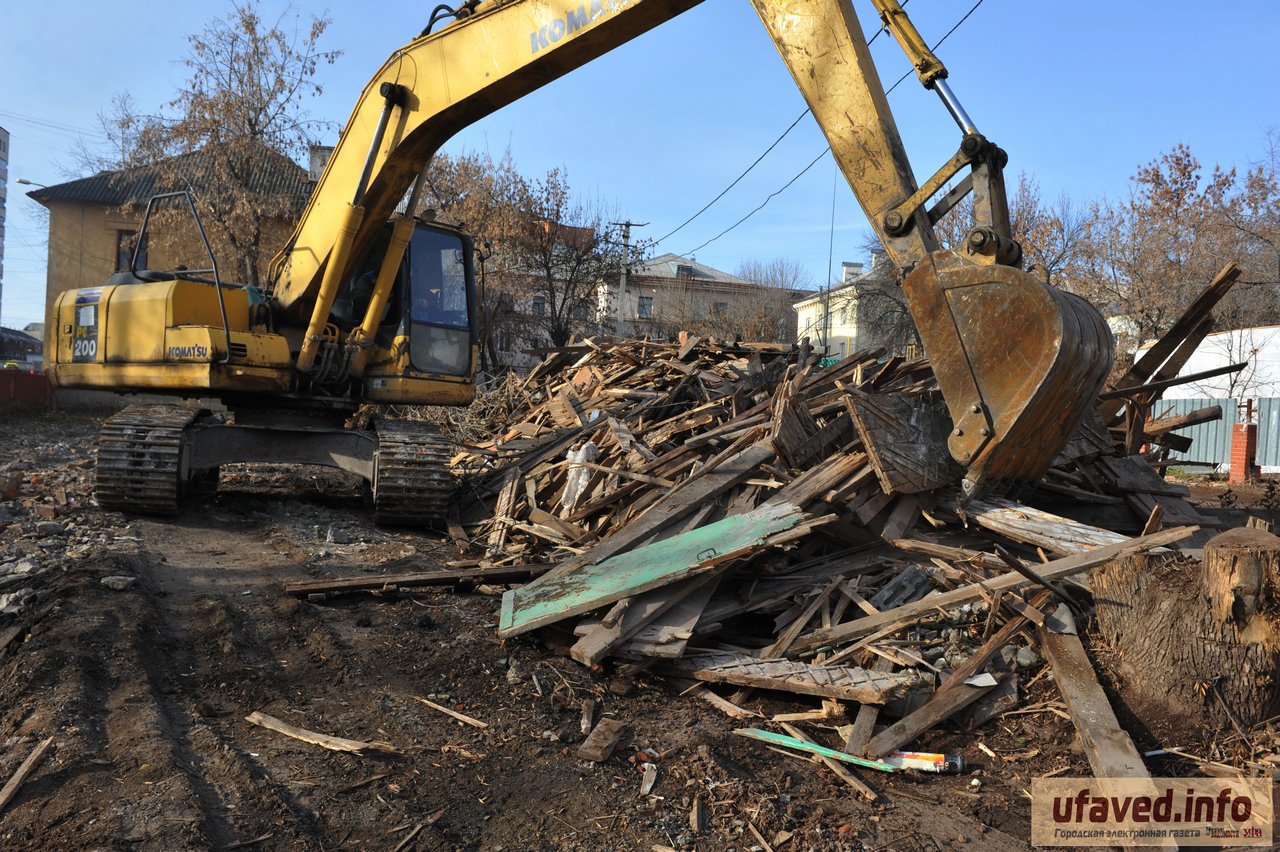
x: 277, y: 175
x: 674, y: 266
x: 12, y: 340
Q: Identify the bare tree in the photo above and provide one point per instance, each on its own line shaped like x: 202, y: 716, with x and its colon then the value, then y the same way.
x: 241, y: 109
x: 1146, y: 257
x: 133, y: 139
x: 781, y: 273
x: 555, y: 255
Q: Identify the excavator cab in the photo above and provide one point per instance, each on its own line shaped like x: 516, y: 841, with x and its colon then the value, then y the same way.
x: 431, y: 309
x: 441, y: 297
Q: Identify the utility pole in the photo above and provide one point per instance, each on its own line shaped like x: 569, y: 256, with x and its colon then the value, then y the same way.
x: 619, y: 324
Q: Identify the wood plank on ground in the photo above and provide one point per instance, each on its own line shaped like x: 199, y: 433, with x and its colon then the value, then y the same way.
x: 673, y: 506
x: 1110, y: 750
x: 953, y: 695
x: 331, y: 743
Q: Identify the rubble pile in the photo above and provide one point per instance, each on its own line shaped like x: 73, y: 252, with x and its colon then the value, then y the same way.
x: 756, y: 519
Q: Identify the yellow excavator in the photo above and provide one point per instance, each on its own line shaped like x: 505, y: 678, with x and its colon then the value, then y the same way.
x: 366, y: 304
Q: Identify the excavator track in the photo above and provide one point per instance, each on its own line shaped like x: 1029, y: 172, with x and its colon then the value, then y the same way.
x: 412, y: 483
x: 140, y: 459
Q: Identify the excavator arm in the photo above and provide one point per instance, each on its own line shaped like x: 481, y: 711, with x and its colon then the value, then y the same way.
x: 1019, y: 363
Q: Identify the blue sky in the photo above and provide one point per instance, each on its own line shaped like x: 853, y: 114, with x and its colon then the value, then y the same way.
x: 1080, y: 94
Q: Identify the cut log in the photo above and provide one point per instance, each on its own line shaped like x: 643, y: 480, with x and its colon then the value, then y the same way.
x: 1197, y: 643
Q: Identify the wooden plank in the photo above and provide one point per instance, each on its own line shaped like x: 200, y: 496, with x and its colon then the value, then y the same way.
x: 502, y: 513
x: 902, y: 519
x: 667, y: 635
x: 942, y: 705
x: 1174, y: 510
x: 1056, y: 534
x: 461, y: 717
x: 593, y: 646
x: 1193, y: 418
x: 1110, y: 751
x: 817, y: 481
x: 864, y: 723
x: 271, y: 723
x: 906, y: 438
x: 834, y: 765
x: 1191, y: 319
x: 1055, y: 570
x: 23, y: 772
x: 844, y: 683
x: 1165, y: 384
x: 378, y: 582
x: 1132, y: 473
x: 549, y: 598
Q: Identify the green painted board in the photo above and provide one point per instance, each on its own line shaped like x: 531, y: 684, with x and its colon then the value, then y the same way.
x: 549, y: 598
x: 813, y: 748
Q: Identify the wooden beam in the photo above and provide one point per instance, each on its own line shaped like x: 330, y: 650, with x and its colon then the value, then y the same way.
x: 1110, y: 751
x: 24, y: 771
x: 1164, y: 384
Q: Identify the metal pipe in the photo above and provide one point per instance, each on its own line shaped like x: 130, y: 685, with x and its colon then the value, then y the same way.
x: 953, y: 106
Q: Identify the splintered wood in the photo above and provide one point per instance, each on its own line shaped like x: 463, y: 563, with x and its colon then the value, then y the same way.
x: 668, y: 502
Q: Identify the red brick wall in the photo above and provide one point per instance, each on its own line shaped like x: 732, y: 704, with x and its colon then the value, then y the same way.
x: 1244, y: 454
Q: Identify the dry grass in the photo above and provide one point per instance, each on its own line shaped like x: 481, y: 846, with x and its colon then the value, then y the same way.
x: 495, y: 407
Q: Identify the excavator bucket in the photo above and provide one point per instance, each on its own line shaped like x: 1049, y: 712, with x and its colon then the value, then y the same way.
x: 1020, y: 364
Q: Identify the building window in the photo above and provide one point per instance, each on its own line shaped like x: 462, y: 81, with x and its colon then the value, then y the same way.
x: 125, y: 243
x: 645, y: 309
x: 539, y: 306
x: 579, y: 311
x: 720, y: 308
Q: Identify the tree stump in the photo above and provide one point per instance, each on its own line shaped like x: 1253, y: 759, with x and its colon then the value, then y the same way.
x: 1196, y: 643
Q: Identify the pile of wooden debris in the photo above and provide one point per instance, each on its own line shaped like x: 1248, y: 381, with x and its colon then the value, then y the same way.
x: 748, y: 517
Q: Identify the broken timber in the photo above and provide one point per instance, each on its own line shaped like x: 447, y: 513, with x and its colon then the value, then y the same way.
x: 1065, y: 567
x: 1110, y: 751
x: 845, y: 683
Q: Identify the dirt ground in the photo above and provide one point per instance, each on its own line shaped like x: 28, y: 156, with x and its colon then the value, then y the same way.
x: 145, y: 691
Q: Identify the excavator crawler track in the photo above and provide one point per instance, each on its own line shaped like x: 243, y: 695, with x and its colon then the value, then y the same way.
x: 140, y: 459
x: 412, y: 484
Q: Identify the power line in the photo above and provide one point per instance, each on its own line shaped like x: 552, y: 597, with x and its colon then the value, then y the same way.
x: 757, y: 160
x: 53, y: 125
x: 738, y: 178
x: 939, y: 42
x: 774, y: 194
